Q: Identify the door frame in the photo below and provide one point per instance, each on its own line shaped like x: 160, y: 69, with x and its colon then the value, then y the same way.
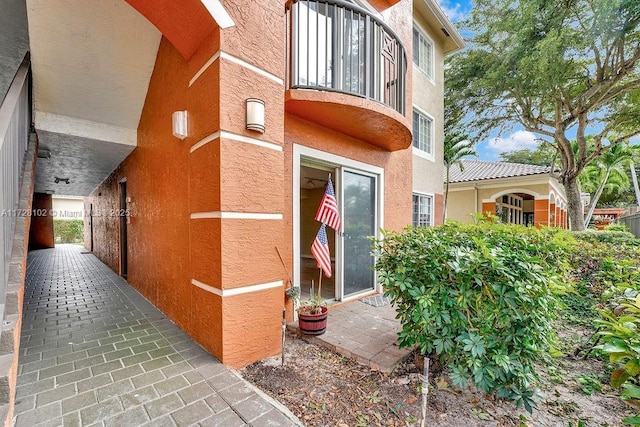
x: 302, y: 153
x: 122, y: 226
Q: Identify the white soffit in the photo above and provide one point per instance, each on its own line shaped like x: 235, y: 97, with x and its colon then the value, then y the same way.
x: 84, y: 128
x: 92, y: 61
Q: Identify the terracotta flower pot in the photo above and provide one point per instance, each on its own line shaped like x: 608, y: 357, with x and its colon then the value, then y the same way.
x: 313, y: 324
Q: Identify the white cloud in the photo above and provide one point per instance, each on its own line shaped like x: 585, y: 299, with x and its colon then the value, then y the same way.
x: 519, y: 140
x: 453, y: 10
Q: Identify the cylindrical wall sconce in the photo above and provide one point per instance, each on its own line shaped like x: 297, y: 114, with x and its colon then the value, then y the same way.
x: 179, y: 124
x: 255, y: 114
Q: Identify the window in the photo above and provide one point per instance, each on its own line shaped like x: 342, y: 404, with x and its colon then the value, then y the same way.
x: 422, y: 210
x: 423, y: 52
x: 422, y: 132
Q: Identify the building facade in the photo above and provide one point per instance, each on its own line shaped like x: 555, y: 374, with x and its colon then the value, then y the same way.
x: 433, y: 38
x: 516, y: 193
x: 202, y: 136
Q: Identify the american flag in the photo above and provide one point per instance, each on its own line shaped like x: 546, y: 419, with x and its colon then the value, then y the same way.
x: 328, y: 209
x: 320, y: 251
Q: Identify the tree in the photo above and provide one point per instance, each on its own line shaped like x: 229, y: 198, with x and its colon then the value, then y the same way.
x: 562, y: 69
x: 454, y: 151
x: 609, y: 169
x: 543, y: 155
x: 457, y: 144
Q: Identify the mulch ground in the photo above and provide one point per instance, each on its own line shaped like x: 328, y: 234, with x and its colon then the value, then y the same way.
x: 323, y: 388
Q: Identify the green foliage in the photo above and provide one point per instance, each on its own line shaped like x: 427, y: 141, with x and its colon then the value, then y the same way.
x: 606, y: 268
x: 313, y: 305
x: 620, y: 332
x: 457, y: 143
x: 542, y: 156
x: 68, y: 231
x: 481, y: 296
x: 608, y: 172
x: 617, y: 227
x: 608, y: 236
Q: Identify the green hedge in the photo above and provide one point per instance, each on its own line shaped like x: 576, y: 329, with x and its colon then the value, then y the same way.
x: 607, y: 236
x: 68, y: 231
x: 482, y: 297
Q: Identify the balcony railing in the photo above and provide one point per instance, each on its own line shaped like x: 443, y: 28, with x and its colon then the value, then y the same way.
x: 338, y: 46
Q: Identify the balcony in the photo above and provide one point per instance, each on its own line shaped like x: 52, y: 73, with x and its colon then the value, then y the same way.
x: 347, y: 71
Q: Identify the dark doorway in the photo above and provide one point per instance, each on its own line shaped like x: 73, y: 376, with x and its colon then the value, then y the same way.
x: 91, y: 227
x: 123, y: 229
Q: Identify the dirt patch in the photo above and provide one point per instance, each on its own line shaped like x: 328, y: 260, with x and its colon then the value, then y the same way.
x: 323, y: 388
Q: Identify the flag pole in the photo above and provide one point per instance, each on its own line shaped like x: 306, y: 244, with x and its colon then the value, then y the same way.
x: 320, y: 284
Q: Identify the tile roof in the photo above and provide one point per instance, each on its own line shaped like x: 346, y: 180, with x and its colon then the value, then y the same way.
x: 477, y: 170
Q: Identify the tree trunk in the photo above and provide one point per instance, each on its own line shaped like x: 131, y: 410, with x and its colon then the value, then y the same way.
x: 596, y: 196
x: 635, y: 183
x: 574, y: 202
x: 446, y: 197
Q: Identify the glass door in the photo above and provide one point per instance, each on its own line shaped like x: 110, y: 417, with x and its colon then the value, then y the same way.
x: 359, y: 223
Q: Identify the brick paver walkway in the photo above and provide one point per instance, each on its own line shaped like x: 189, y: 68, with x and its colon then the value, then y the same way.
x: 94, y: 352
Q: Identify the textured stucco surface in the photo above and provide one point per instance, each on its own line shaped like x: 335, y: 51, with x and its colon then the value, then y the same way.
x: 428, y: 96
x: 258, y: 36
x: 396, y: 164
x: 14, y: 40
x: 185, y: 24
x: 174, y: 235
x: 167, y: 182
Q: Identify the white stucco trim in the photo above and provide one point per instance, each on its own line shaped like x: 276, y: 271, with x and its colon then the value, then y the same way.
x: 516, y: 182
x: 248, y: 140
x: 204, y: 141
x: 426, y: 35
x: 66, y: 125
x: 515, y: 190
x: 234, y: 137
x: 415, y: 150
x: 237, y: 291
x: 231, y: 58
x: 202, y: 69
x: 260, y: 71
x: 558, y: 188
x: 236, y: 215
x: 218, y: 13
x: 433, y: 203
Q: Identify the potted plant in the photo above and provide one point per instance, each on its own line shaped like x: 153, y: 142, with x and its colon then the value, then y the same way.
x: 312, y: 316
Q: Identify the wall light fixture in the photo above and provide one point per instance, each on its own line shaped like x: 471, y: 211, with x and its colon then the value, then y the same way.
x: 179, y: 124
x: 255, y: 114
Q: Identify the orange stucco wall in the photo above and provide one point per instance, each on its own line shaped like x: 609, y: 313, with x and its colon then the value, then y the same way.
x: 397, y: 166
x: 171, y: 184
x: 438, y: 209
x: 488, y: 208
x: 541, y: 212
x: 41, y: 230
x: 208, y: 212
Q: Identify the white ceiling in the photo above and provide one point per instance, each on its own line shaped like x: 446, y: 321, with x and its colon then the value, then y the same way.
x: 91, y: 61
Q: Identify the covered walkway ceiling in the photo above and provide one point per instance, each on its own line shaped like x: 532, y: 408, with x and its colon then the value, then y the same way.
x: 92, y: 61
